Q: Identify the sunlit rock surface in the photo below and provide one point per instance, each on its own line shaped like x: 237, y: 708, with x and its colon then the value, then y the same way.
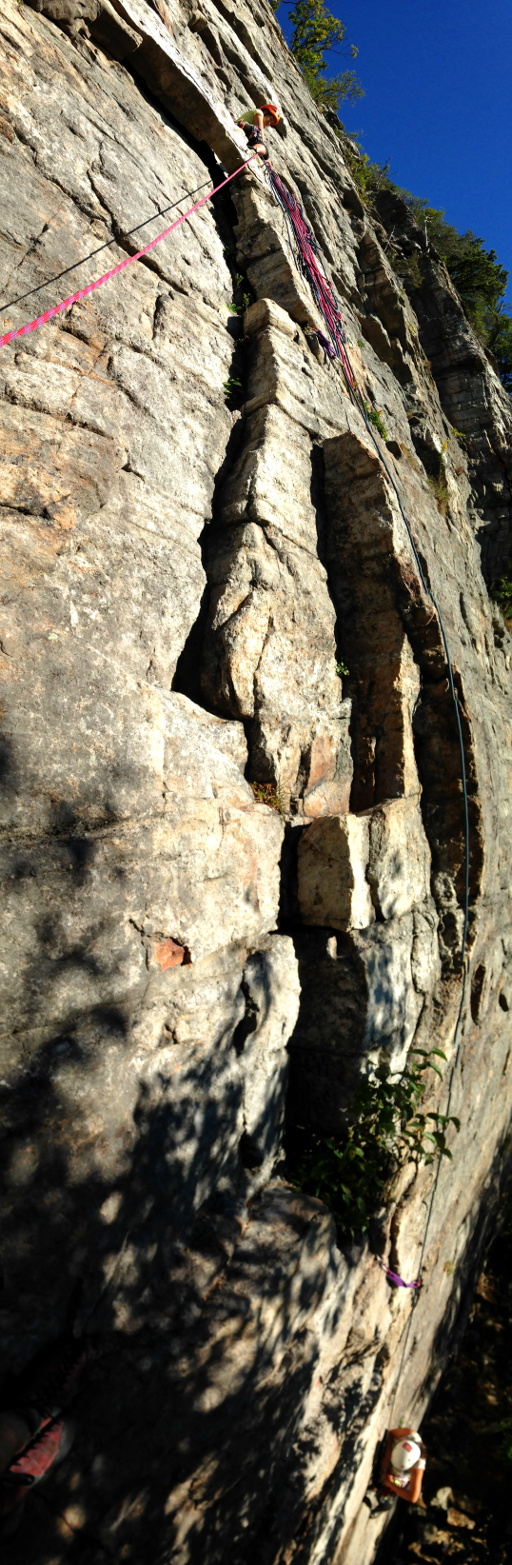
x: 232, y: 823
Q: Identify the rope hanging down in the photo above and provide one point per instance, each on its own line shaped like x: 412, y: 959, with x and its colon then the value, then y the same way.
x: 22, y: 331
x: 304, y: 248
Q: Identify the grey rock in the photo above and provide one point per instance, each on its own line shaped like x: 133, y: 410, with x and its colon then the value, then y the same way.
x: 182, y: 582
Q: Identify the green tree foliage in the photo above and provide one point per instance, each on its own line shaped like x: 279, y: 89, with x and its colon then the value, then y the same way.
x: 315, y: 32
x: 501, y: 591
x: 499, y: 342
x: 478, y: 276
x: 480, y: 279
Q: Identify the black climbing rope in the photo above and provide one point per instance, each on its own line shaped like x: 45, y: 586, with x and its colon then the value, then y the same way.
x: 160, y: 212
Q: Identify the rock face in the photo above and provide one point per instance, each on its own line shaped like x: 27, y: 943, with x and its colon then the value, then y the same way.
x: 234, y: 871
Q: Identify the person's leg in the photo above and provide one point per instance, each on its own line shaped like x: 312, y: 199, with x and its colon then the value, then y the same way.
x: 256, y: 141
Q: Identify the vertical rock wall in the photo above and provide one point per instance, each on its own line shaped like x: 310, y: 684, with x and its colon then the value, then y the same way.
x: 182, y: 582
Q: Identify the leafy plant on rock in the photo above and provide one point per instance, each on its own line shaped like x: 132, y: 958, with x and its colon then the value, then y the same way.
x: 315, y: 32
x: 501, y: 591
x: 478, y: 275
x: 480, y: 280
x: 368, y: 176
x: 499, y: 343
x: 269, y: 794
x: 408, y: 268
x: 232, y: 387
x: 386, y: 1128
x: 439, y: 488
x: 376, y: 418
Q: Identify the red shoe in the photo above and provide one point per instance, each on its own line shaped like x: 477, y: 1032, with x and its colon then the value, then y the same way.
x: 49, y: 1446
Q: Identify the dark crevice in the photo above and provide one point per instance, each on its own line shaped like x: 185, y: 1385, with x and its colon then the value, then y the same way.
x: 477, y: 984
x: 370, y: 641
x: 439, y: 768
x: 188, y: 677
x: 189, y: 668
x: 200, y: 148
x: 249, y: 1021
x: 438, y: 759
x: 425, y: 448
x: 327, y: 1046
x: 339, y: 593
x: 289, y: 913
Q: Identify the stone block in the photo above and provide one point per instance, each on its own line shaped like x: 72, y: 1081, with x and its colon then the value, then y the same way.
x: 332, y: 886
x: 269, y: 654
x: 265, y: 312
x: 263, y: 249
x: 399, y: 857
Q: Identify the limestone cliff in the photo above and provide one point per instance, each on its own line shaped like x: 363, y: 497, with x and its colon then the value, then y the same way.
x: 181, y: 582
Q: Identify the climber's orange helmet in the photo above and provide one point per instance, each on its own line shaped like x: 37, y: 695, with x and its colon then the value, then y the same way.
x: 273, y: 112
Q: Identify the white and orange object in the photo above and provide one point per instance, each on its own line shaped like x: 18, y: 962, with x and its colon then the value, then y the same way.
x: 403, y: 1464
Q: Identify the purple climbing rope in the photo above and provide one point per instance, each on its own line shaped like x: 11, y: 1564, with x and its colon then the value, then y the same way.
x: 305, y: 248
x: 392, y: 1277
x: 399, y: 1281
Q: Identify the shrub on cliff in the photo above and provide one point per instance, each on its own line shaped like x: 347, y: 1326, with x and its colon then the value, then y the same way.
x: 480, y: 279
x: 315, y: 32
x: 386, y: 1128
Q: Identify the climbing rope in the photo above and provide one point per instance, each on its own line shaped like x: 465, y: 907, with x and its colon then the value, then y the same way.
x: 304, y: 248
x: 393, y: 1277
x: 49, y: 281
x: 23, y: 331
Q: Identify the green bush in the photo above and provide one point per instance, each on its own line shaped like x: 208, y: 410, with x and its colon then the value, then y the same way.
x: 315, y: 32
x: 376, y: 418
x: 501, y: 591
x: 232, y: 387
x: 368, y: 176
x: 269, y: 794
x: 499, y: 342
x: 480, y: 279
x: 408, y: 267
x: 385, y: 1129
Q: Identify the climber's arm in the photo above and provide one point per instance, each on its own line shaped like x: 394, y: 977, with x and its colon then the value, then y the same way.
x: 415, y: 1482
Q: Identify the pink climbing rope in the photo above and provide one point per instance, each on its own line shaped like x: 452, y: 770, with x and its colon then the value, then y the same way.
x: 22, y: 331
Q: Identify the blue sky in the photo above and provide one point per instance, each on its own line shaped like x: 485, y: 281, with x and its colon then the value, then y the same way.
x: 437, y: 76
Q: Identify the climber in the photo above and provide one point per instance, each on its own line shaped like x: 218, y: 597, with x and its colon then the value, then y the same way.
x: 253, y: 123
x: 403, y: 1465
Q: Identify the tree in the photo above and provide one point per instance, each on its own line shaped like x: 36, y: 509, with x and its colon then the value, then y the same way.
x: 479, y: 278
x: 499, y: 342
x: 315, y: 32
